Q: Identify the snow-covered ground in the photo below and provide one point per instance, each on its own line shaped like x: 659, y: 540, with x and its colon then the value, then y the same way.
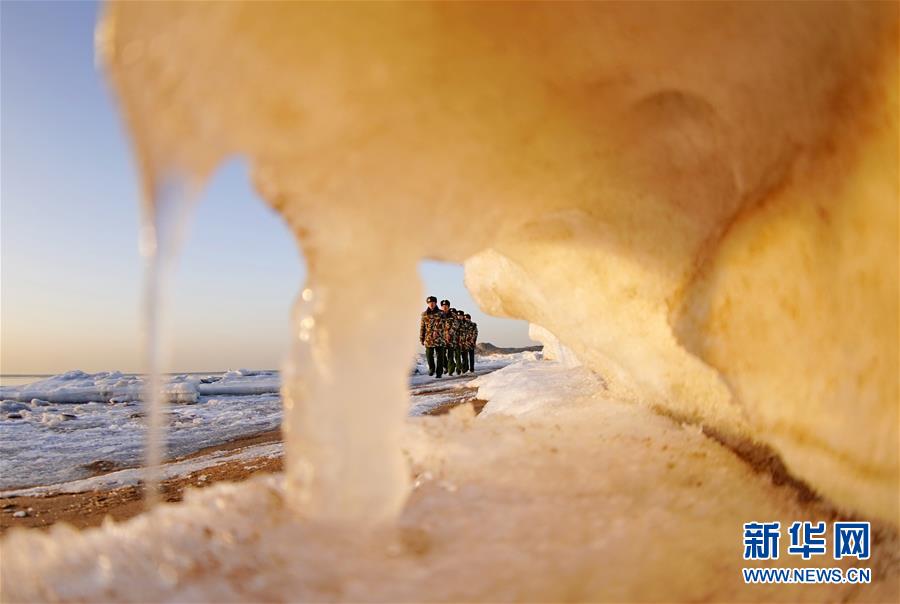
x: 429, y: 393
x: 483, y: 363
x: 580, y: 496
x: 67, y: 427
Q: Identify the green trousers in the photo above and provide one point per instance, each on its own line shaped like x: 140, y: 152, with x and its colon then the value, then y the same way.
x: 457, y: 361
x: 452, y: 360
x: 429, y: 356
x: 440, y: 353
x: 462, y: 364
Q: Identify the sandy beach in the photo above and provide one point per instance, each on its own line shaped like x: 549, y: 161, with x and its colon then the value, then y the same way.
x: 91, y: 508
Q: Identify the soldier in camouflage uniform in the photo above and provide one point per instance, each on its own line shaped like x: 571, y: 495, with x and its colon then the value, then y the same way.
x: 452, y: 330
x: 430, y: 336
x: 472, y: 329
x: 442, y: 324
x: 462, y: 356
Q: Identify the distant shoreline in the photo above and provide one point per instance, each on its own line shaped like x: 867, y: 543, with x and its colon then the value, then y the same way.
x: 14, y: 379
x: 45, y: 375
x: 22, y: 379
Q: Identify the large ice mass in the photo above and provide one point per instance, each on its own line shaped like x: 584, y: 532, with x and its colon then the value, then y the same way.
x: 700, y: 201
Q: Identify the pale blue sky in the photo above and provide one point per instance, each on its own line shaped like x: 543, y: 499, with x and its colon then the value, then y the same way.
x: 70, y: 273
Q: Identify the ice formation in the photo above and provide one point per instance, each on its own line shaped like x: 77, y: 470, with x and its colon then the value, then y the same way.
x: 700, y: 202
x: 553, y: 349
x: 116, y: 387
x: 593, y: 500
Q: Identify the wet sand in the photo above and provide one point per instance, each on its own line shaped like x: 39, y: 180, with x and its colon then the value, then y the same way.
x: 88, y: 509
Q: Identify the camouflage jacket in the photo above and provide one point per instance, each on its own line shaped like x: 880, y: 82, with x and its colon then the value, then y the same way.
x: 471, y: 334
x: 450, y: 329
x: 430, y: 328
x: 464, y: 334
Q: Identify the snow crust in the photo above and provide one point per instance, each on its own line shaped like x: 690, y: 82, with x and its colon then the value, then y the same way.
x: 525, y: 388
x: 586, y: 498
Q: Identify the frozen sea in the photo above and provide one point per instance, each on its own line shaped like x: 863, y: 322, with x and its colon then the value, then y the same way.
x: 71, y: 426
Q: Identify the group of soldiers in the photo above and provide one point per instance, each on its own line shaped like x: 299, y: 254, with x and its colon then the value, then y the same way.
x: 449, y: 338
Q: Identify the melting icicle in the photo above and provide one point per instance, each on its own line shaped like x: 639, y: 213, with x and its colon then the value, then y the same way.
x: 344, y: 408
x: 153, y: 403
x: 164, y: 219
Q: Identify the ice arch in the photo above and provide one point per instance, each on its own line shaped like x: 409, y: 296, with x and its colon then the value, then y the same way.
x: 720, y: 180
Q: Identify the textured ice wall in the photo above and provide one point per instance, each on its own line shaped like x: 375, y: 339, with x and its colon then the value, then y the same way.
x: 701, y: 201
